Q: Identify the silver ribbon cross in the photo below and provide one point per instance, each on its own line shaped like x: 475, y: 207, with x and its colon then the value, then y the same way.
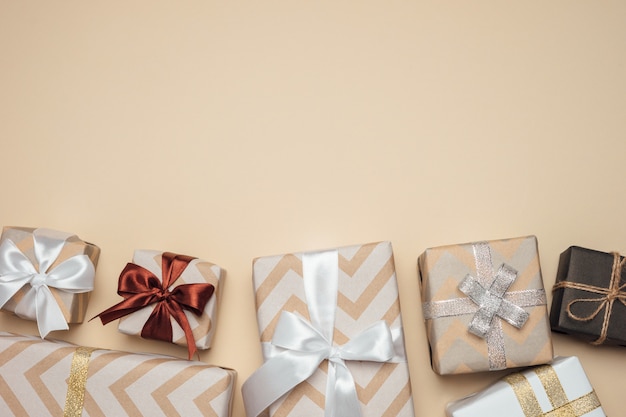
x: 489, y: 300
x: 491, y: 303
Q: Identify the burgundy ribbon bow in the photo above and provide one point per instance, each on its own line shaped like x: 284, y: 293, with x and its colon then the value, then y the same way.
x: 140, y: 288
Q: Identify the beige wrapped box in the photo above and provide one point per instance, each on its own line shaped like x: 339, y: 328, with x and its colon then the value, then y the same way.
x: 42, y: 378
x: 362, y: 279
x: 197, y: 271
x: 504, y: 325
x: 72, y: 304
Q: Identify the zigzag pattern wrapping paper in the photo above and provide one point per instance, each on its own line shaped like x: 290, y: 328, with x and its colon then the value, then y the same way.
x: 367, y: 292
x: 197, y: 272
x: 34, y: 375
x: 454, y: 349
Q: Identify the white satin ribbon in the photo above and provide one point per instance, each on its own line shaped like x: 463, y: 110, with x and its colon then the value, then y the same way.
x: 74, y: 275
x: 299, y: 346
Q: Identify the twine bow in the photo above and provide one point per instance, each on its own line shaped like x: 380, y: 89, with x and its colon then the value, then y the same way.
x: 141, y: 288
x: 615, y: 291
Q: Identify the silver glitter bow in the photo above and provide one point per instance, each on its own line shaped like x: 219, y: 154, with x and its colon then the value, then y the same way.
x: 489, y: 300
x: 491, y: 303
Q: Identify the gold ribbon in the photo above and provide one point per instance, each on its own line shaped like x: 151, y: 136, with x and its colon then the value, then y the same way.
x: 75, y: 397
x: 610, y: 294
x: 561, y: 406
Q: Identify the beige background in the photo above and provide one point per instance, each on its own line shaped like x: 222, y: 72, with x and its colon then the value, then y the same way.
x: 230, y: 130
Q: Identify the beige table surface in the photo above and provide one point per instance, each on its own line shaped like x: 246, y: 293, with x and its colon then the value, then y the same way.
x: 231, y: 130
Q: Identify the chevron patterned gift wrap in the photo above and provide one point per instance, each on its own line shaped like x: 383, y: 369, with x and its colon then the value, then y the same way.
x: 366, y: 295
x: 197, y: 272
x: 42, y: 378
x: 484, y: 306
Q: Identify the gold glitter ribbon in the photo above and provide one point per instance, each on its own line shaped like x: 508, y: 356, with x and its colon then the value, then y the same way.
x: 561, y: 406
x: 78, y: 379
x: 615, y: 291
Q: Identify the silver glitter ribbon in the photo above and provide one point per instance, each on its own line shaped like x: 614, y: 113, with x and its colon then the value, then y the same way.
x: 489, y: 300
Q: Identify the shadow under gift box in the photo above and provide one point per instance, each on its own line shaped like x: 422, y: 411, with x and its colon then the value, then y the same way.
x: 73, y: 305
x: 450, y: 313
x: 43, y: 378
x: 362, y: 279
x: 582, y: 305
x: 558, y: 389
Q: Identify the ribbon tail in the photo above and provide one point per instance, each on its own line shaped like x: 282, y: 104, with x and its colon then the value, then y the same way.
x: 179, y: 315
x: 276, y: 377
x: 158, y: 326
x: 341, y: 396
x: 124, y: 308
x: 39, y: 304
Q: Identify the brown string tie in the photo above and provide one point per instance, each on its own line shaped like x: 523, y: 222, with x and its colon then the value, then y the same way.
x: 615, y: 291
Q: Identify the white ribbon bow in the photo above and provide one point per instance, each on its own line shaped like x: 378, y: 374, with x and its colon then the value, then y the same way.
x: 74, y: 275
x: 300, y: 346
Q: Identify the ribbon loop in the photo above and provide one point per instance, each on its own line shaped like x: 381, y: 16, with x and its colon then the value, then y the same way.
x: 74, y: 275
x: 141, y: 288
x: 491, y: 302
x: 301, y: 346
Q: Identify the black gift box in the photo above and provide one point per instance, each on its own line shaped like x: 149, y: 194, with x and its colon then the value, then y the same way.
x: 594, y: 268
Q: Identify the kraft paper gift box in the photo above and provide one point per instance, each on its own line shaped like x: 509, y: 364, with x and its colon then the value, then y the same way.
x: 589, y: 296
x: 168, y: 297
x: 326, y: 320
x: 42, y: 378
x: 47, y: 274
x: 558, y: 389
x: 485, y: 306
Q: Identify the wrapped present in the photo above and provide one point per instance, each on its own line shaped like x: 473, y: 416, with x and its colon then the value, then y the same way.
x: 46, y: 276
x: 43, y: 378
x: 558, y: 389
x: 168, y: 297
x: 589, y: 296
x: 331, y: 335
x: 485, y: 306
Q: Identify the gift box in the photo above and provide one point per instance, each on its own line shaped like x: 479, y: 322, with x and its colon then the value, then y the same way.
x: 589, y: 296
x: 331, y: 335
x: 44, y: 378
x: 46, y: 276
x: 168, y: 297
x: 485, y: 306
x: 558, y: 389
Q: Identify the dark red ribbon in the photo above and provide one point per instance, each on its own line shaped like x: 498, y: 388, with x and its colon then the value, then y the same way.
x: 140, y: 288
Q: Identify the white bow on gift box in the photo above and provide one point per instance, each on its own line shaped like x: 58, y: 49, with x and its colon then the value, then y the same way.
x: 299, y: 346
x: 74, y: 275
